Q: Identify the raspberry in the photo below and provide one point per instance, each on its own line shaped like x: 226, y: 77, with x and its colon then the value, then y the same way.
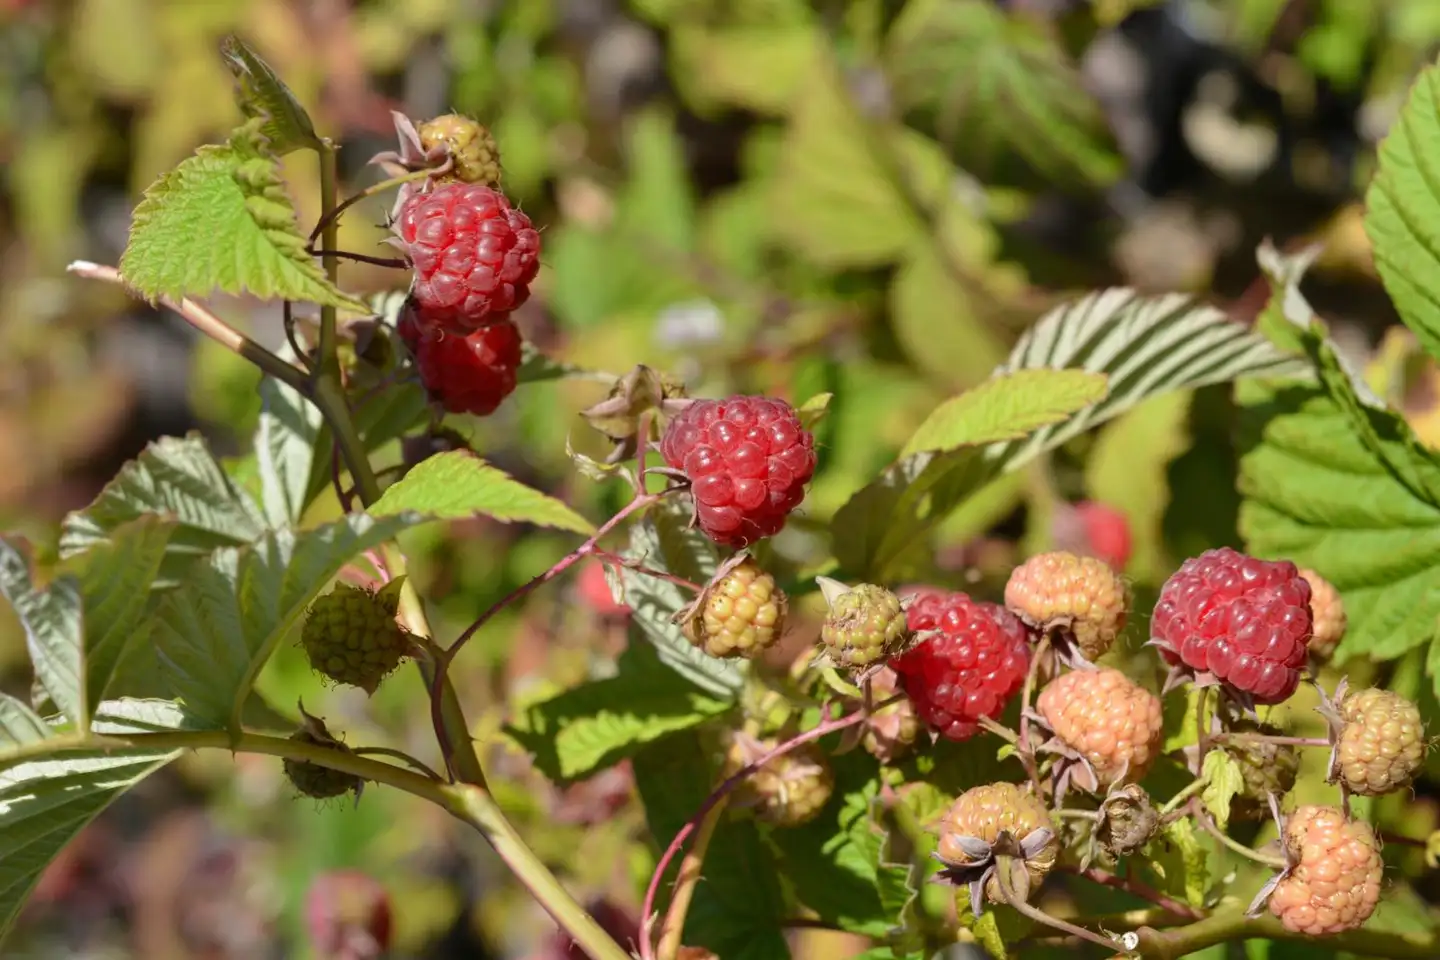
x: 348, y: 915
x: 1328, y: 612
x: 1079, y: 597
x: 748, y: 460
x: 351, y: 636
x: 312, y: 779
x: 1097, y: 530
x: 595, y: 591
x: 972, y: 662
x: 1128, y: 819
x: 474, y: 255
x: 1110, y: 723
x: 865, y: 625
x: 469, y: 144
x: 1333, y: 881
x: 473, y: 373
x: 996, y: 820
x: 1266, y: 768
x: 1238, y: 620
x: 889, y: 732
x: 741, y: 614
x: 790, y: 790
x: 1380, y: 745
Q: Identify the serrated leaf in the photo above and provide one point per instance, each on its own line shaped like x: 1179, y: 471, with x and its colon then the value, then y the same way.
x: 1182, y: 863
x: 997, y: 85
x: 213, y: 634
x: 1006, y: 407
x: 285, y: 444
x: 738, y: 908
x: 1223, y: 780
x: 1403, y: 208
x: 1334, y: 482
x: 654, y: 602
x: 47, y: 797
x: 602, y: 722
x: 458, y: 484
x: 1145, y: 346
x: 222, y: 220
x: 116, y: 578
x: 262, y: 94
x: 54, y: 635
x: 178, y: 479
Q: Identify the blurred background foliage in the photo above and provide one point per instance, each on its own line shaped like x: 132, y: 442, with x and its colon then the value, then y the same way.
x: 870, y: 198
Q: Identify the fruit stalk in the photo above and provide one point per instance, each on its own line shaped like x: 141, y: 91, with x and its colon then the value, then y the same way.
x: 1231, y: 925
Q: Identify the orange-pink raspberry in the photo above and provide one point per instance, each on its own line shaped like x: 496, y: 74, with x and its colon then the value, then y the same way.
x: 1328, y: 611
x: 474, y: 255
x: 1112, y: 723
x: 1333, y: 884
x: 971, y: 837
x: 1082, y: 597
x: 971, y: 660
x: 1241, y: 621
x: 747, y: 459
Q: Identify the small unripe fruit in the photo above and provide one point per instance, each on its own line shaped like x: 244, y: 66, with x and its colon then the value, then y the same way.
x: 741, y: 614
x: 993, y: 823
x: 790, y: 790
x: 865, y: 625
x: 1381, y: 743
x: 1107, y: 720
x: 890, y: 732
x: 470, y: 145
x: 351, y: 636
x: 1328, y: 611
x: 1081, y: 598
x: 1266, y: 768
x: 312, y: 779
x: 1127, y: 821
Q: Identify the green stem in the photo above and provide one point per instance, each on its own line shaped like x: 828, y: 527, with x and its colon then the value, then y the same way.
x: 329, y: 365
x: 476, y: 806
x: 1196, y: 785
x: 332, y: 215
x: 1264, y: 859
x: 685, y: 881
x: 329, y: 396
x: 1232, y: 925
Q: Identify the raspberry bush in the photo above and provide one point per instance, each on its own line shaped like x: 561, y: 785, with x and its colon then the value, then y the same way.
x: 789, y: 652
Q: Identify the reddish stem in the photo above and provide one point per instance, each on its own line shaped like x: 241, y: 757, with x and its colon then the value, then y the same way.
x: 1107, y: 879
x: 618, y: 560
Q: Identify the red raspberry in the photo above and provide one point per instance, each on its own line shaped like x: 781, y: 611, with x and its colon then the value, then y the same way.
x: 748, y: 460
x: 973, y: 661
x: 595, y: 591
x: 348, y: 914
x: 470, y: 374
x: 474, y: 255
x: 1094, y: 529
x: 1242, y: 621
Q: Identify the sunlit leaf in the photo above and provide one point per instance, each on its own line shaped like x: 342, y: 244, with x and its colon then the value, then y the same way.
x: 262, y: 94
x: 457, y: 484
x: 51, y: 617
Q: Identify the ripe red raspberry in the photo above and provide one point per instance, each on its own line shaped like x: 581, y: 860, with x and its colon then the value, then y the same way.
x: 1108, y: 721
x: 972, y: 662
x: 472, y: 373
x: 1328, y: 611
x: 748, y: 460
x: 1081, y: 599
x: 348, y: 916
x: 1333, y: 881
x: 1094, y: 529
x: 1241, y: 621
x: 1379, y: 744
x: 474, y: 255
x: 990, y: 821
x: 594, y: 590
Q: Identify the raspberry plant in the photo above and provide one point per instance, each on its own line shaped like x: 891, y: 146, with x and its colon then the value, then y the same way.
x: 1025, y: 751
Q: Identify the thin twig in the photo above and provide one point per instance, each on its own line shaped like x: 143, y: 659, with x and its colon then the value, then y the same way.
x: 1024, y: 907
x: 1197, y: 810
x: 396, y: 263
x: 640, y: 568
x: 1194, y: 787
x: 1023, y: 747
x: 402, y: 756
x: 1134, y: 887
x: 685, y: 883
x: 369, y: 191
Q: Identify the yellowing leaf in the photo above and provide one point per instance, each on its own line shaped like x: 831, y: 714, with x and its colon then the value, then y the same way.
x: 1222, y: 781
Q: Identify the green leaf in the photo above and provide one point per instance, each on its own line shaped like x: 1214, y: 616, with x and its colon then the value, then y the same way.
x: 213, y: 634
x: 1006, y: 407
x: 832, y: 861
x: 53, y: 633
x: 457, y: 484
x: 996, y: 85
x: 1145, y: 346
x: 222, y: 220
x: 939, y: 321
x: 536, y: 367
x: 1337, y: 483
x: 753, y: 67
x: 262, y: 94
x: 602, y: 722
x: 116, y: 580
x: 1403, y: 210
x: 1223, y: 780
x: 739, y: 906
x: 663, y: 541
x: 47, y: 796
x: 285, y: 444
x: 175, y: 478
x: 1181, y: 862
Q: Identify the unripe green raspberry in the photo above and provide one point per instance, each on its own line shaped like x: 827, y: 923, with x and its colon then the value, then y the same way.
x: 312, y: 779
x: 351, y: 636
x: 1081, y: 599
x: 1266, y: 768
x: 470, y: 145
x: 865, y: 625
x: 790, y: 790
x: 741, y: 614
x: 998, y: 821
x: 1381, y: 743
x: 890, y: 732
x: 1328, y: 612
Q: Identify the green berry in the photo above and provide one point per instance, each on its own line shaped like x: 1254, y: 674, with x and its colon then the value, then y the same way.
x: 470, y: 145
x: 865, y: 626
x: 351, y: 636
x: 311, y: 779
x: 790, y: 790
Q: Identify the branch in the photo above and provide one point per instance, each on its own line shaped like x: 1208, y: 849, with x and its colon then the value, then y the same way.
x: 1231, y: 924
